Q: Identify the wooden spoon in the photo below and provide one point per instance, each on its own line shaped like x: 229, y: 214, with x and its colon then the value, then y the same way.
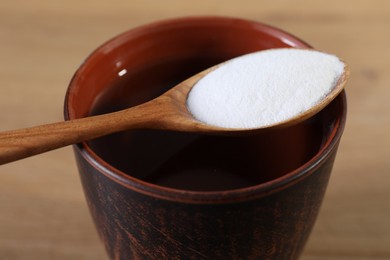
x: 166, y: 112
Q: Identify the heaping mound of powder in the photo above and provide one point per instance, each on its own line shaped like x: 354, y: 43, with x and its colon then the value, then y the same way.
x: 264, y: 88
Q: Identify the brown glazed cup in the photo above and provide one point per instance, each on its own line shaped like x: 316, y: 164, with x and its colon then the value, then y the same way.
x: 167, y: 195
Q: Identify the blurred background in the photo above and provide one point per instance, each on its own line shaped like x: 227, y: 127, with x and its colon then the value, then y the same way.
x: 43, y: 214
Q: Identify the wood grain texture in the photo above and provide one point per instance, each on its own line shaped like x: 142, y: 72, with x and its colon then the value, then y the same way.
x: 168, y: 111
x: 157, y: 114
x: 43, y: 211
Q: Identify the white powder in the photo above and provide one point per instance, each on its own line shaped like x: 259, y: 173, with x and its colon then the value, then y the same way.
x: 264, y: 88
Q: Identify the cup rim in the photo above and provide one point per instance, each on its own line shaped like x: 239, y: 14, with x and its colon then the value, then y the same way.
x: 220, y: 196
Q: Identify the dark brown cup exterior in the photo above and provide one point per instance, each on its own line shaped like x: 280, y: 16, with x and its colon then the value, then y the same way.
x: 140, y: 220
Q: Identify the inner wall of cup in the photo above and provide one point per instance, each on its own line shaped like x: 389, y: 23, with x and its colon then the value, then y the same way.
x: 141, y: 65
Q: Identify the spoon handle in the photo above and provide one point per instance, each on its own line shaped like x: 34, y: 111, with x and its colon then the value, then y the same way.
x: 22, y: 143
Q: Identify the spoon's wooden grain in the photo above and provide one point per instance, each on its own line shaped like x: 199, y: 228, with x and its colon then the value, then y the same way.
x: 165, y: 112
x: 169, y: 112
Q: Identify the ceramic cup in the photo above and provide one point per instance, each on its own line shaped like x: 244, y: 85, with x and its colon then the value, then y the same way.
x: 167, y: 195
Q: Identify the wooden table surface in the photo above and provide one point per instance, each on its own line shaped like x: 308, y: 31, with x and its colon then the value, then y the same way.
x: 43, y: 214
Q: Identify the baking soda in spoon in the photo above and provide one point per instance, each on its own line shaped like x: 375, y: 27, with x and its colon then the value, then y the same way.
x: 264, y: 88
